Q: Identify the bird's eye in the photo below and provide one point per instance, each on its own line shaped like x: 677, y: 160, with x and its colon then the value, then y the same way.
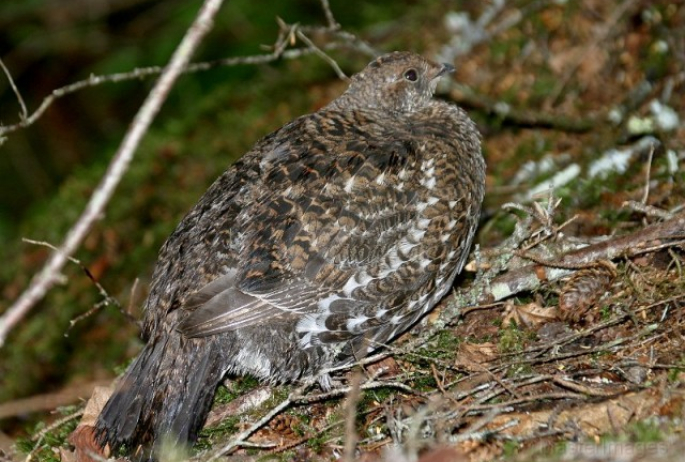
x: 411, y: 75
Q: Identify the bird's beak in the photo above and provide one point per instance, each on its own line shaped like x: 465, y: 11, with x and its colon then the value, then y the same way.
x: 444, y: 69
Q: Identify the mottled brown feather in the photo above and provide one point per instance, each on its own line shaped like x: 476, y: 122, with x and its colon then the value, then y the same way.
x: 332, y: 236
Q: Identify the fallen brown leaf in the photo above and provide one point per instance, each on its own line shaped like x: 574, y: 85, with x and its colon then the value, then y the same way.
x: 531, y: 315
x: 472, y: 356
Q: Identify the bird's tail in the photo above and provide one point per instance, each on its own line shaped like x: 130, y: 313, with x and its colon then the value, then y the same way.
x: 165, y: 394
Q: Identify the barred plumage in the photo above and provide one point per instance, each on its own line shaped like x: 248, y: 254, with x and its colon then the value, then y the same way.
x: 333, y: 235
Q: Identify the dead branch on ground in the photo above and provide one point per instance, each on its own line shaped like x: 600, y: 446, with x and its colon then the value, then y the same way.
x: 532, y: 276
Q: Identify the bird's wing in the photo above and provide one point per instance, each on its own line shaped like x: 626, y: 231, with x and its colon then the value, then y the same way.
x: 329, y: 214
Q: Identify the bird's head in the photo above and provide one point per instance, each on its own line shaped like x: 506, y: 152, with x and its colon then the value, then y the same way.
x: 397, y: 82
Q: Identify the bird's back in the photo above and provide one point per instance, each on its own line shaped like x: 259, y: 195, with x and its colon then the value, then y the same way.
x: 344, y: 225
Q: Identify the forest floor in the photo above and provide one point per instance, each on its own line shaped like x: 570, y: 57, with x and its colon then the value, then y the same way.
x: 565, y: 337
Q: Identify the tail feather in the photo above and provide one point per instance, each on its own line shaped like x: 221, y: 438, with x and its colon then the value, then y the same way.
x: 166, y: 394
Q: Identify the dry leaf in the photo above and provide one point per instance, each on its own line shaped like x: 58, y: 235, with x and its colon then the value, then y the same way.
x: 531, y: 315
x: 83, y: 437
x: 472, y: 356
x: 86, y: 448
x: 95, y: 404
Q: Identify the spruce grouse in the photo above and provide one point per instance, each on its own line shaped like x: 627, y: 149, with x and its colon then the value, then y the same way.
x: 331, y: 237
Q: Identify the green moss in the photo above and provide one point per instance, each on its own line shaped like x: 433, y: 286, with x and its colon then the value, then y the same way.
x: 238, y: 386
x: 45, y: 447
x: 371, y: 398
x: 443, y: 346
x: 510, y: 448
x: 209, y: 436
x: 675, y: 374
x: 447, y: 341
x: 424, y: 383
x: 283, y: 456
x: 606, y: 312
x: 318, y: 442
x: 511, y: 339
x: 543, y: 85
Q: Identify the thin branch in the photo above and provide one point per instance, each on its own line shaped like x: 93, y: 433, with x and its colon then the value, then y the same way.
x: 308, y: 436
x: 330, y: 19
x: 144, y: 72
x: 322, y: 55
x: 24, y: 113
x: 106, y: 298
x: 298, y: 396
x: 49, y: 401
x: 350, y: 419
x: 369, y: 385
x: 648, y: 174
x: 466, y: 97
x: 94, y: 210
x: 648, y: 210
x: 340, y: 39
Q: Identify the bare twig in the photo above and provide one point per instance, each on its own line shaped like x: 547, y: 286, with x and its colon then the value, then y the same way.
x: 304, y: 439
x: 369, y: 385
x: 322, y: 55
x: 24, y: 113
x: 350, y: 418
x: 604, y: 347
x: 49, y: 401
x: 330, y: 19
x: 466, y: 97
x: 241, y: 437
x: 128, y: 313
x: 298, y: 396
x: 143, y: 72
x: 94, y: 210
x: 476, y: 432
x: 648, y: 175
x: 648, y: 210
x: 589, y: 390
x: 106, y: 298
